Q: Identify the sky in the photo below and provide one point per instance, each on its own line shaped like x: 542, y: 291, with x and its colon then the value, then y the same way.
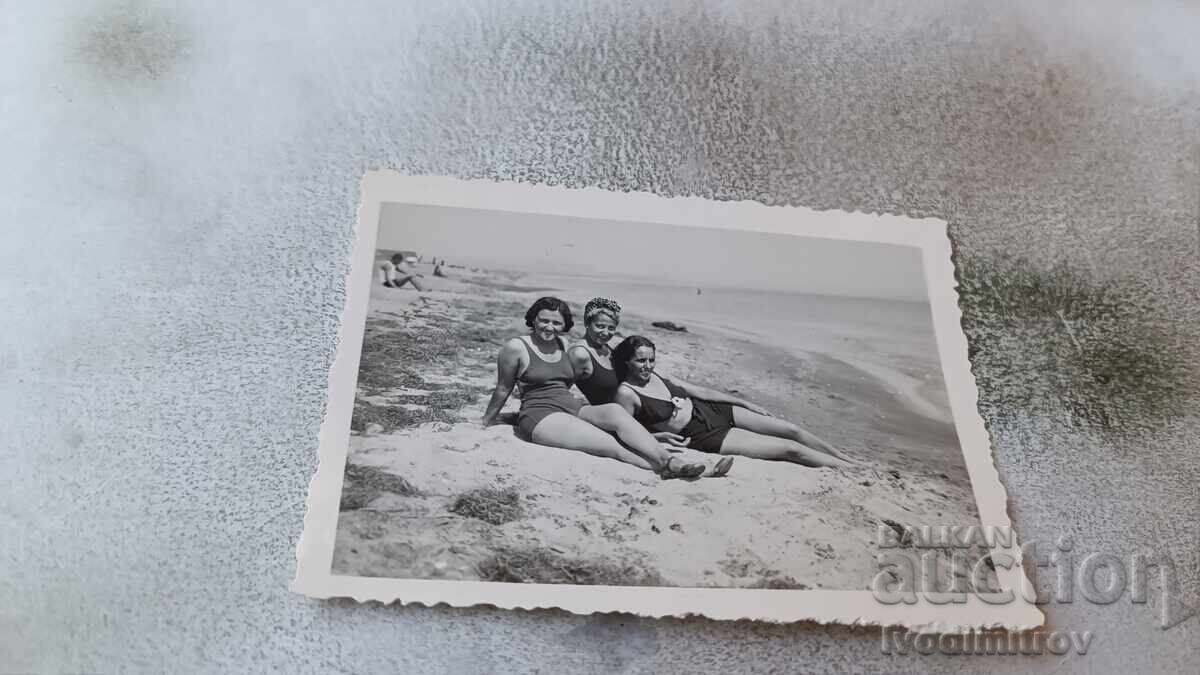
x: 674, y: 254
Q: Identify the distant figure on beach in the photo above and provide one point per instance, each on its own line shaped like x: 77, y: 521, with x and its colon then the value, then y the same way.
x: 437, y: 270
x: 551, y: 415
x: 708, y: 420
x: 397, y: 272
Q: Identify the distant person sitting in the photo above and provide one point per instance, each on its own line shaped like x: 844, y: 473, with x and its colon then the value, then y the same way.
x: 397, y: 272
x: 437, y: 270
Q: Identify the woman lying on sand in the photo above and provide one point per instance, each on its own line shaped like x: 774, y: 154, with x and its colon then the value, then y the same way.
x: 709, y: 420
x: 550, y: 414
x: 592, y: 359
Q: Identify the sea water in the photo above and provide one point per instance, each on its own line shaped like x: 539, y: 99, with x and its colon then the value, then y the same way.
x: 782, y: 318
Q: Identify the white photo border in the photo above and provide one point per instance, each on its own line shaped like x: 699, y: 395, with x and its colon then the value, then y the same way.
x: 314, y: 575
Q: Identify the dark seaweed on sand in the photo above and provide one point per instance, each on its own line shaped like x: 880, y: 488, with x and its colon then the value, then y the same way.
x: 395, y: 355
x: 489, y: 504
x: 538, y: 565
x: 392, y: 417
x: 362, y: 484
x: 669, y: 325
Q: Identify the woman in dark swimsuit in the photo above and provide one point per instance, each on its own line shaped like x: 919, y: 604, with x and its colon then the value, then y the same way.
x: 709, y: 420
x: 550, y: 414
x: 592, y: 359
x: 593, y: 370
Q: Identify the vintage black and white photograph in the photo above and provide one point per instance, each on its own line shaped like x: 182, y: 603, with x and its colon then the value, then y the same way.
x: 578, y: 400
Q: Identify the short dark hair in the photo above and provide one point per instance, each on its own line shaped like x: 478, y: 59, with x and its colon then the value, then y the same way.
x: 397, y: 258
x: 626, y: 351
x: 550, y: 302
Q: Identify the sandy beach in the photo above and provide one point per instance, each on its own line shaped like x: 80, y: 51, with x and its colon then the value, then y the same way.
x: 429, y: 493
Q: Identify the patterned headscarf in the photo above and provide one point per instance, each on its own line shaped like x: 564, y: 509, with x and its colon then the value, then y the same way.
x: 602, y: 306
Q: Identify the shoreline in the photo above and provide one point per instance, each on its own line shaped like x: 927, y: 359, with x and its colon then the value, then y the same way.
x: 896, y: 393
x: 429, y: 493
x: 925, y: 397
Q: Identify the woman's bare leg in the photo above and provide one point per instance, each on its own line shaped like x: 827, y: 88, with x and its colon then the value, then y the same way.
x: 613, y: 419
x: 760, y: 446
x: 773, y: 426
x: 561, y: 430
x: 410, y: 279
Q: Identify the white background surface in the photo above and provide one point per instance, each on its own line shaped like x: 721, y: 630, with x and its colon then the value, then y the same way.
x: 179, y: 185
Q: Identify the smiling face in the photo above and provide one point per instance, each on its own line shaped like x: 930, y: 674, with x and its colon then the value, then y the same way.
x: 642, y: 364
x: 548, y: 325
x: 601, y: 329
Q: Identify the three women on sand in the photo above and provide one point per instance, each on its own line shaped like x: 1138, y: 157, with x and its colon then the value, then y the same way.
x: 632, y: 411
x: 551, y: 415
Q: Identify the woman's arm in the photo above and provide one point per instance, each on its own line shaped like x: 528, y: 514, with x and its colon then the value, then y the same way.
x: 508, y: 363
x: 627, y: 400
x: 707, y: 394
x: 581, y: 361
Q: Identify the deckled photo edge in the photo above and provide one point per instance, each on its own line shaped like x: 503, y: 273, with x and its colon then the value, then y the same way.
x: 314, y: 553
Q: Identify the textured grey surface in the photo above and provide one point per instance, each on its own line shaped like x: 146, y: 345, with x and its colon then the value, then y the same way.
x: 179, y: 186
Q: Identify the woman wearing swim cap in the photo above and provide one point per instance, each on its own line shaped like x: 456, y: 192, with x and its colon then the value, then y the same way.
x: 594, y: 374
x: 593, y: 371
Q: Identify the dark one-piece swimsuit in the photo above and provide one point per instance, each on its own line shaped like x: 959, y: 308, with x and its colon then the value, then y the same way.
x: 710, y: 423
x: 601, y: 387
x: 545, y: 389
